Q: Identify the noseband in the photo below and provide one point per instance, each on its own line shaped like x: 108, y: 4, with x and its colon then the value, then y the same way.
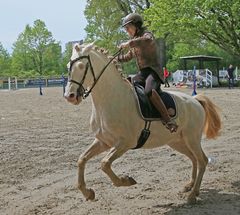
x: 81, y: 91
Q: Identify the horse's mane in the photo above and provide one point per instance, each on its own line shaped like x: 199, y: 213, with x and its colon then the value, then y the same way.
x: 105, y: 53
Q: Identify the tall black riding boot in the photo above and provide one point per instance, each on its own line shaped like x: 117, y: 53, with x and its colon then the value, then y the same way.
x: 160, y: 106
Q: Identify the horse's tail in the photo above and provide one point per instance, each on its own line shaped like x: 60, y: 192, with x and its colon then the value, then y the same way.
x: 212, y: 124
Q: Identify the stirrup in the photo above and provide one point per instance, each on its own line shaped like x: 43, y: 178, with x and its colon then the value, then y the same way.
x: 172, y: 126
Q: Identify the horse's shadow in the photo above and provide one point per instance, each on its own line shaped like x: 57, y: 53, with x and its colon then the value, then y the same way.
x: 211, y: 201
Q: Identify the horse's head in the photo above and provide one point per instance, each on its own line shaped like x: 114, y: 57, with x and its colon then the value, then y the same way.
x: 78, y: 73
x: 84, y: 71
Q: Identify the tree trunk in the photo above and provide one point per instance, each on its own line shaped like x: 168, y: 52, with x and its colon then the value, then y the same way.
x: 162, y: 52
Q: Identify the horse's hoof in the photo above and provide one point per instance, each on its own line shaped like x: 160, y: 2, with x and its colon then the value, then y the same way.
x: 131, y: 181
x: 187, y: 188
x: 191, y: 200
x: 91, y: 195
x: 127, y: 181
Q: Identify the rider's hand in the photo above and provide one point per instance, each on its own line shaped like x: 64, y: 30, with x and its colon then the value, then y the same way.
x: 114, y: 60
x: 124, y: 45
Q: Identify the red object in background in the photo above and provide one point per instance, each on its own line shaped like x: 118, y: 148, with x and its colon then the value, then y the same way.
x: 165, y: 73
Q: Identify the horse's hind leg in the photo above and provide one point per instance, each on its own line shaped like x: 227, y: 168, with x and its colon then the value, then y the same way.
x: 182, y: 148
x: 106, y: 167
x: 96, y: 148
x: 202, y: 162
x: 193, y: 142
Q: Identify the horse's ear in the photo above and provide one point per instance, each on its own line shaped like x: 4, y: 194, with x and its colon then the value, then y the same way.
x: 77, y: 47
x: 88, y: 47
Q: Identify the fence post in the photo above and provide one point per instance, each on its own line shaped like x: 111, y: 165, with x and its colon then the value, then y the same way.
x: 16, y: 83
x: 9, y: 83
x: 236, y: 73
x: 194, y: 82
x: 63, y: 83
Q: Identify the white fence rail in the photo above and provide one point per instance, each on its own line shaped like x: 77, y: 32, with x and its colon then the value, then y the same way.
x: 203, y: 77
x: 14, y: 83
x: 209, y: 78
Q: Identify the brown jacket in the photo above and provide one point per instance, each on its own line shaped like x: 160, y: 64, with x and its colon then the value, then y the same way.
x: 143, y: 47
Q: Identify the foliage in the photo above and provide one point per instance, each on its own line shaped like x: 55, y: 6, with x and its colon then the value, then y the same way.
x: 179, y: 23
x: 188, y: 26
x: 66, y: 56
x: 182, y: 49
x: 5, y: 61
x: 21, y: 58
x: 105, y: 20
x: 35, y: 49
x: 208, y: 20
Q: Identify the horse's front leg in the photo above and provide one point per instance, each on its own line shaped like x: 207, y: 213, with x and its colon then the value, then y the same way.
x: 106, y: 167
x: 96, y: 148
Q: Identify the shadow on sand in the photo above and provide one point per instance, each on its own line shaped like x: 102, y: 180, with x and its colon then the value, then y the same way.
x: 210, y: 202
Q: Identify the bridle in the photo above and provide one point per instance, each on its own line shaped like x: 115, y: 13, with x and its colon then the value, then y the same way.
x: 81, y: 91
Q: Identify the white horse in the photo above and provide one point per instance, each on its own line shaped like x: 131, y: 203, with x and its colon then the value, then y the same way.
x: 117, y: 123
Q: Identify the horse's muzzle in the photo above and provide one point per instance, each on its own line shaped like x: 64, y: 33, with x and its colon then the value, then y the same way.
x: 72, y: 98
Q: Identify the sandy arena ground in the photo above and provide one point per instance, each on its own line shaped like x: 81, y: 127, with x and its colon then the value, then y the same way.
x: 41, y: 138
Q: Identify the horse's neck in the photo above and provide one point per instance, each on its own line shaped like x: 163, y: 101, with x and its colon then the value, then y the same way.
x: 110, y: 89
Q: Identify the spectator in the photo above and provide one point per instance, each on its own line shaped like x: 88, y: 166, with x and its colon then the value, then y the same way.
x: 230, y: 71
x: 166, y: 76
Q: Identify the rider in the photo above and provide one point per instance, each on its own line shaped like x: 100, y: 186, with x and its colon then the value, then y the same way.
x: 143, y: 47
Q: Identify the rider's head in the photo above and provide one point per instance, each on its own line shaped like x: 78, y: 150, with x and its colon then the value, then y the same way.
x: 132, y: 23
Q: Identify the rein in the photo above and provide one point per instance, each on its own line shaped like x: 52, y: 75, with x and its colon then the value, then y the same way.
x: 81, y: 90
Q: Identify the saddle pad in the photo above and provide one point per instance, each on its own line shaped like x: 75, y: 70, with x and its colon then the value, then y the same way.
x: 147, y: 110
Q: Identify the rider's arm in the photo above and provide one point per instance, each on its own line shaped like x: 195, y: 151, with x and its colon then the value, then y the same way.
x: 126, y: 57
x: 143, y: 40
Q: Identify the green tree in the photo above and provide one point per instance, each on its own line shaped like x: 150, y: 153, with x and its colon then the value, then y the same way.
x: 36, y: 50
x: 21, y: 58
x: 5, y: 62
x: 105, y: 19
x: 53, y: 59
x: 178, y: 25
x: 66, y: 56
x: 210, y: 20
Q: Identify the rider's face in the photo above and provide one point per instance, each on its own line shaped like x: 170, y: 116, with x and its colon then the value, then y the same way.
x: 130, y: 29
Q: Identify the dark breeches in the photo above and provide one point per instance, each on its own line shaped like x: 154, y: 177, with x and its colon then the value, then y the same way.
x: 148, y: 79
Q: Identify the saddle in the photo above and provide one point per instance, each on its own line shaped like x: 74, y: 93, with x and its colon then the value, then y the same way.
x: 147, y: 110
x: 149, y: 113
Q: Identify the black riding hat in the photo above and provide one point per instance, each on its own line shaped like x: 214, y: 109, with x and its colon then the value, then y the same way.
x: 133, y: 18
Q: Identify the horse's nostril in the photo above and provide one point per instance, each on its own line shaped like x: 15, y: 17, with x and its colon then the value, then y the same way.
x: 71, y: 95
